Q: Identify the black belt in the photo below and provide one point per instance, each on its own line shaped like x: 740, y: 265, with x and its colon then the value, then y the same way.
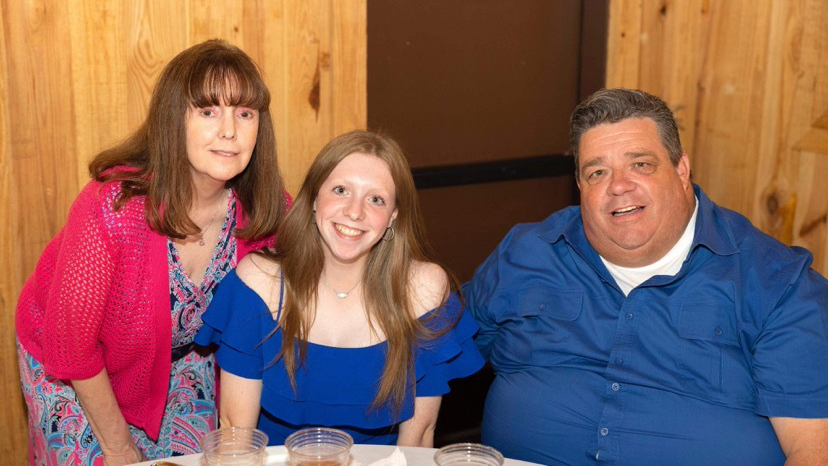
x: 181, y: 351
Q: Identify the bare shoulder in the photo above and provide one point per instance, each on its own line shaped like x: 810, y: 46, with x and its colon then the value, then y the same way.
x: 262, y: 275
x: 429, y: 286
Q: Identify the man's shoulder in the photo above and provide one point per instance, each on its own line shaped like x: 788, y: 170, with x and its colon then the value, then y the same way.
x: 754, y: 245
x: 550, y: 228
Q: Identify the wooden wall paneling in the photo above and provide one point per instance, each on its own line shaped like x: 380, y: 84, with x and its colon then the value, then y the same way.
x: 811, y: 225
x: 155, y: 32
x: 747, y: 82
x: 808, y: 64
x: 42, y: 139
x: 623, y: 39
x: 223, y: 19
x: 98, y: 79
x: 649, y: 45
x: 771, y: 201
x: 308, y: 78
x: 255, y: 21
x: 274, y: 61
x: 323, y: 47
x: 13, y: 414
x: 736, y: 103
x: 349, y: 90
x: 674, y: 30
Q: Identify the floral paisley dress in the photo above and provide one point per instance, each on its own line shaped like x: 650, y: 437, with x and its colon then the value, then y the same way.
x: 66, y: 436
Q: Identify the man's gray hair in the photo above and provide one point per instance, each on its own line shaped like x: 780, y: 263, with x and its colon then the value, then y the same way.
x: 614, y: 105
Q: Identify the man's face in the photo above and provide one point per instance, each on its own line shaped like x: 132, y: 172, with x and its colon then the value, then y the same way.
x: 634, y: 203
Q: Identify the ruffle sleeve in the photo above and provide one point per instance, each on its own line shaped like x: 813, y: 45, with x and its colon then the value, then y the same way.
x: 452, y: 354
x: 235, y: 320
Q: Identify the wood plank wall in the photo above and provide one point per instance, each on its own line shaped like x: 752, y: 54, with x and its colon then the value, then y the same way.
x: 75, y: 77
x: 748, y: 81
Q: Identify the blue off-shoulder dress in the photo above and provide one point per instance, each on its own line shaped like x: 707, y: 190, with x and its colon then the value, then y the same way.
x: 335, y: 387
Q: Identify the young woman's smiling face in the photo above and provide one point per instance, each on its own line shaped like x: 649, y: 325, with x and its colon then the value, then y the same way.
x: 354, y: 206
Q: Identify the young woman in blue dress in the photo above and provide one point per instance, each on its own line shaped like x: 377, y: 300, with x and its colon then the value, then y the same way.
x: 347, y: 322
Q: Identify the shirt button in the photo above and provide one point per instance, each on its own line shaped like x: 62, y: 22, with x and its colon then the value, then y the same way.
x: 615, y: 387
x: 542, y: 306
x: 629, y: 316
x: 718, y: 331
x: 604, y: 431
x: 619, y: 361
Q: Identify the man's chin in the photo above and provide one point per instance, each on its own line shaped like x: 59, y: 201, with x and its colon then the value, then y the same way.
x: 626, y: 252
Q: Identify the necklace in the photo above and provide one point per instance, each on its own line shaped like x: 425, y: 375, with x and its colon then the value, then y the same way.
x: 339, y: 294
x: 204, y: 230
x: 201, y: 235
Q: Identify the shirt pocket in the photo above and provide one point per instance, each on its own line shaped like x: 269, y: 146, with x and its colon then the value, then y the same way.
x: 711, y: 359
x: 542, y: 319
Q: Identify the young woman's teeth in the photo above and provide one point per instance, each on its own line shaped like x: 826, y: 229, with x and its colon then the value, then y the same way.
x: 348, y: 231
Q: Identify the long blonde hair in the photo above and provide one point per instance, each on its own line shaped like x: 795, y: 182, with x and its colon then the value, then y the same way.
x: 387, y: 274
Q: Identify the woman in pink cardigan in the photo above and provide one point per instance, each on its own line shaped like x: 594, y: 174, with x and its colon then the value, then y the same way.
x: 105, y: 324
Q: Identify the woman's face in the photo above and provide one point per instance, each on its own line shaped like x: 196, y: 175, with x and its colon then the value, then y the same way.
x: 354, y: 206
x: 220, y: 141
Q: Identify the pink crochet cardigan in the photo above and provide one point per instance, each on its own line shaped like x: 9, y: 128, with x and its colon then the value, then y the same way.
x: 100, y: 297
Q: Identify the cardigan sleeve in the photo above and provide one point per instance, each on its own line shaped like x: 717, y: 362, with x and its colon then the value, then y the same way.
x: 77, y: 293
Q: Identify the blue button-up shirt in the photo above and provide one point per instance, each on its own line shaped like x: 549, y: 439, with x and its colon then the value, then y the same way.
x: 685, y: 370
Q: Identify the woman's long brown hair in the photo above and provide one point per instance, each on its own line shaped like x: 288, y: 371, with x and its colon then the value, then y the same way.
x: 153, y: 160
x: 387, y: 275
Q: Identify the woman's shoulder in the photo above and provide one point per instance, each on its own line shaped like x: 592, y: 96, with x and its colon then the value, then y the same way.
x: 429, y: 286
x: 97, y: 199
x: 262, y: 275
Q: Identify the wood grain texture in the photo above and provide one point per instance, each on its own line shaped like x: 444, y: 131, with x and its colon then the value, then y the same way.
x: 13, y: 413
x: 349, y: 97
x: 76, y: 77
x: 747, y: 82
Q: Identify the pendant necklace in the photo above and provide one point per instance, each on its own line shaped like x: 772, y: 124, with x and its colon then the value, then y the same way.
x: 339, y: 294
x: 201, y: 236
x: 204, y: 230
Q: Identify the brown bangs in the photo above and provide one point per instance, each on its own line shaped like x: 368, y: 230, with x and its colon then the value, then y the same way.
x: 228, y: 81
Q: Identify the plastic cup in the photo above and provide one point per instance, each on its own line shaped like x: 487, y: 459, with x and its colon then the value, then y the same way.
x: 234, y: 446
x: 468, y: 454
x: 319, y: 446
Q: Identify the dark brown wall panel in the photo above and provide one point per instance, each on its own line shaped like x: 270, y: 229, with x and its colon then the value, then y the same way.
x: 472, y: 80
x: 462, y: 82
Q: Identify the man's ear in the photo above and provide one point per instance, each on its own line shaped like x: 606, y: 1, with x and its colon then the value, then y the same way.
x: 683, y: 169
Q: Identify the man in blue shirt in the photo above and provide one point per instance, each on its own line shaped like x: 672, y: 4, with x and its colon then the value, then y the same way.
x: 650, y: 326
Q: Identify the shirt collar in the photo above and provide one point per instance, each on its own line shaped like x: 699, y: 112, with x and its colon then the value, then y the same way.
x: 710, y: 232
x: 570, y: 228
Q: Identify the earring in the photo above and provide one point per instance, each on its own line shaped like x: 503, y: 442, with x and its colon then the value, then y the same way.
x: 389, y: 234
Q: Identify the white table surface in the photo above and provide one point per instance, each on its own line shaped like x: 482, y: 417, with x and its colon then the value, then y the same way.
x: 277, y: 456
